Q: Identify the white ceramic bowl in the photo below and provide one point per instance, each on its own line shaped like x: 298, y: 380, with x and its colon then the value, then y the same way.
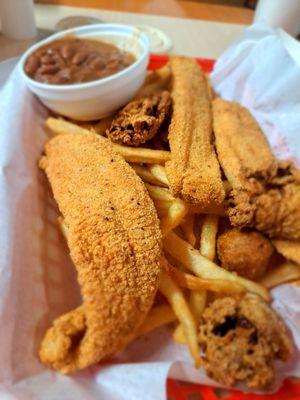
x: 99, y: 98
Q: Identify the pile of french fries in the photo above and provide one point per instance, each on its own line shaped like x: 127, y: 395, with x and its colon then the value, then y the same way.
x: 190, y: 276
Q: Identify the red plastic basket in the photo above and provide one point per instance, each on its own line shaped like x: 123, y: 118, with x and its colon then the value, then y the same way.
x: 177, y: 390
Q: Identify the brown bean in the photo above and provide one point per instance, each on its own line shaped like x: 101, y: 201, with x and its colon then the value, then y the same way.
x: 49, y: 51
x: 47, y: 60
x: 59, y: 60
x: 97, y: 63
x: 114, y: 65
x: 79, y: 57
x: 67, y: 51
x: 32, y: 64
x: 48, y: 69
x: 64, y: 75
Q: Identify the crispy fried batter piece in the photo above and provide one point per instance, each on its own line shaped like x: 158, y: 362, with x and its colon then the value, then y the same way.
x: 290, y: 249
x: 193, y: 171
x: 115, y: 243
x: 246, y: 253
x: 241, y: 340
x: 266, y: 192
x: 140, y: 119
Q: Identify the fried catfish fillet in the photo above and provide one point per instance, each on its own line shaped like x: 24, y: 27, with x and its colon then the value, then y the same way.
x: 266, y: 192
x: 115, y: 243
x: 193, y: 171
x: 241, y: 339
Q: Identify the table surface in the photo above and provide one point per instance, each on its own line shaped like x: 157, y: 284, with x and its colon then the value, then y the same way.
x: 170, y: 8
x: 196, y: 29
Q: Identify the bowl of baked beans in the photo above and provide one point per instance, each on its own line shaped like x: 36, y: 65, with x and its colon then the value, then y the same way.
x: 89, y: 72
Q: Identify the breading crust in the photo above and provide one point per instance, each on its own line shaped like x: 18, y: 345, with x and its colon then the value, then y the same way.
x: 265, y: 192
x: 193, y: 171
x: 245, y: 252
x: 140, y: 120
x: 242, y: 338
x: 115, y: 244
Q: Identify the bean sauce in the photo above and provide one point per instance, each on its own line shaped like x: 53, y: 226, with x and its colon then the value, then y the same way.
x: 72, y: 60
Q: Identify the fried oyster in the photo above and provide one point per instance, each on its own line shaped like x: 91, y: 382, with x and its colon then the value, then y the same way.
x: 245, y: 252
x: 241, y: 338
x: 140, y: 120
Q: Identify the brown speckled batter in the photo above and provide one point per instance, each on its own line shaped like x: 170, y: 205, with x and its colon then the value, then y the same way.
x: 115, y: 244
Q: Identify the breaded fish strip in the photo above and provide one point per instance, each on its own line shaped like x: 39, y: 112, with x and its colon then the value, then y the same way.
x: 115, y: 243
x: 193, y: 171
x: 266, y: 192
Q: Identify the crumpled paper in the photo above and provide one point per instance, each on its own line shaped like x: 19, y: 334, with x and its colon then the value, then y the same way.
x: 37, y: 280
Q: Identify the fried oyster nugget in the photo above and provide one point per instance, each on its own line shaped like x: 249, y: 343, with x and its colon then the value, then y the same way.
x: 115, y: 243
x: 241, y: 338
x: 193, y: 171
x: 245, y: 252
x: 140, y: 120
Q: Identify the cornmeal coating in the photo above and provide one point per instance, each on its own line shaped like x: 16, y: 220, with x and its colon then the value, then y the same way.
x: 115, y: 243
x: 193, y: 171
x: 265, y: 192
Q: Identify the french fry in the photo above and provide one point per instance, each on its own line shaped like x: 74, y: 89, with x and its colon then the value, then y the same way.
x: 216, y: 210
x: 174, y: 217
x: 187, y: 226
x: 62, y: 127
x: 158, y: 193
x: 179, y: 334
x: 101, y: 126
x: 155, y: 81
x: 284, y: 273
x: 145, y: 174
x: 62, y: 226
x: 204, y: 268
x: 197, y: 303
x: 162, y: 207
x: 98, y: 127
x: 290, y: 249
x: 142, y: 155
x: 208, y: 236
x: 182, y: 311
x: 160, y: 174
x: 131, y: 154
x: 158, y: 316
x: 192, y: 282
